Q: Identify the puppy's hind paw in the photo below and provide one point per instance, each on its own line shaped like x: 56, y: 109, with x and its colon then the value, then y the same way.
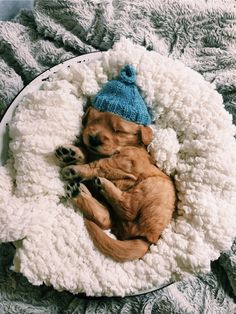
x: 72, y: 189
x: 97, y: 182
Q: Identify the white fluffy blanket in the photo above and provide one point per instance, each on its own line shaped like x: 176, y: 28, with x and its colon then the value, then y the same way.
x: 194, y: 142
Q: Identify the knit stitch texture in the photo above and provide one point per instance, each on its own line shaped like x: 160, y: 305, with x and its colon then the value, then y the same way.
x: 122, y: 97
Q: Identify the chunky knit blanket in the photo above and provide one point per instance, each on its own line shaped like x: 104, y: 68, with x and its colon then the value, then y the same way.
x: 202, y: 36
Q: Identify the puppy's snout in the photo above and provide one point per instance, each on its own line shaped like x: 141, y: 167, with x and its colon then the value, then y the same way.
x: 94, y: 140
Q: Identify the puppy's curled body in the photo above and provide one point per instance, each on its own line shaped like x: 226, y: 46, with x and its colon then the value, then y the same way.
x: 139, y: 197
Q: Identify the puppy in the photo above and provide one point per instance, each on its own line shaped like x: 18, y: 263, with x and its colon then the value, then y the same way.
x: 137, y: 198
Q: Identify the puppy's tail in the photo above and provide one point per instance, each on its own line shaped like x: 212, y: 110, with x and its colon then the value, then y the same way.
x: 120, y: 251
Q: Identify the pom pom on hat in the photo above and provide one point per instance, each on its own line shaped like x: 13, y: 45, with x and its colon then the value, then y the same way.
x: 127, y: 74
x: 122, y: 97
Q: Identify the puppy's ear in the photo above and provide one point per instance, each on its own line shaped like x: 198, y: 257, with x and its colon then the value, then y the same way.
x: 146, y: 135
x: 85, y: 116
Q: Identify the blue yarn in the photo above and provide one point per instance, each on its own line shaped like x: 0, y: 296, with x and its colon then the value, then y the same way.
x: 122, y: 97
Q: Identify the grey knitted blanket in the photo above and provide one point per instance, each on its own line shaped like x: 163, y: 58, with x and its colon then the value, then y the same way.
x: 202, y: 34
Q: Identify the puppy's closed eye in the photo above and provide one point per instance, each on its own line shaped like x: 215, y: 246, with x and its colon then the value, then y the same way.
x: 125, y: 128
x: 121, y: 131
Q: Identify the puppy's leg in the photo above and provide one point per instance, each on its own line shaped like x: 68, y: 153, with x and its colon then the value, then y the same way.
x: 78, y: 171
x: 88, y: 205
x: 153, y: 220
x: 101, y: 168
x: 126, y: 230
x: 69, y: 154
x: 121, y: 202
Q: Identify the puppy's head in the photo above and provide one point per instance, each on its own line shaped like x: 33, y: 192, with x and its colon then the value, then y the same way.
x: 105, y: 133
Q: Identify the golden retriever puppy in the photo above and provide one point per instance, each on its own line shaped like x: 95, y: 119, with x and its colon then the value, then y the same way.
x: 137, y: 199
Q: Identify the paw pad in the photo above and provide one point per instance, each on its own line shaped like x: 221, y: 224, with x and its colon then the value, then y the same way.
x: 68, y: 173
x: 97, y: 182
x: 65, y: 154
x: 72, y: 189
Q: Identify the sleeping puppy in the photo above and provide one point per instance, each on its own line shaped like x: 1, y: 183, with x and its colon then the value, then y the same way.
x: 137, y: 199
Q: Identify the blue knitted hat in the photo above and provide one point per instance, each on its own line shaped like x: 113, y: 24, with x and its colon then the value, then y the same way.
x: 122, y: 97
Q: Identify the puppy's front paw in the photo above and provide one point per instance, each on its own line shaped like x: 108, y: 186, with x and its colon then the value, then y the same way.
x: 68, y: 173
x: 65, y: 154
x: 70, y: 154
x: 72, y: 189
x: 77, y: 172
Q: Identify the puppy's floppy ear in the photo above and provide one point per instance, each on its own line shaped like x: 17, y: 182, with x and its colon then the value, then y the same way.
x: 85, y: 116
x: 146, y: 135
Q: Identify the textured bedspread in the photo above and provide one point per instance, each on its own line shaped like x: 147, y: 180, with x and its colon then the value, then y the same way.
x: 203, y: 36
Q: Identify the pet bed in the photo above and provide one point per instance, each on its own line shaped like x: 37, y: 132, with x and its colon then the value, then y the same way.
x: 194, y: 142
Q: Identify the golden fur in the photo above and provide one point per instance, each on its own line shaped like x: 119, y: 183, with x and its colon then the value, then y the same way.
x: 137, y: 198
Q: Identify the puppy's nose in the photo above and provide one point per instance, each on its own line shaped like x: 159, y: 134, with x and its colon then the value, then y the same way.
x: 94, y: 140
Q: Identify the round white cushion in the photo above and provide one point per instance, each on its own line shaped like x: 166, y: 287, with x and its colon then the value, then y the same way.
x: 194, y: 142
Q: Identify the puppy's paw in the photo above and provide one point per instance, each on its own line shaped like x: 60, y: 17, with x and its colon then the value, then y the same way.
x: 107, y: 189
x: 65, y: 154
x: 70, y: 154
x: 98, y: 183
x: 84, y: 190
x: 68, y: 173
x: 73, y: 189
